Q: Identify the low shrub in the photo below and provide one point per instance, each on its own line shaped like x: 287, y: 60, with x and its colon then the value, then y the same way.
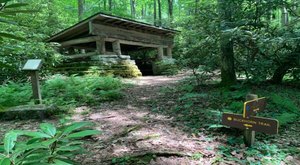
x: 49, y: 145
x: 13, y: 94
x: 130, y: 70
x: 61, y: 90
x: 165, y: 67
x: 77, y: 90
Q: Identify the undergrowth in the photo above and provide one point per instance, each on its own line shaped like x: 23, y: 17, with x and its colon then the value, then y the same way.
x: 200, y: 108
x: 64, y: 91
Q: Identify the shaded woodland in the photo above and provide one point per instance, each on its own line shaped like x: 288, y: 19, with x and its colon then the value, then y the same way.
x: 223, y: 51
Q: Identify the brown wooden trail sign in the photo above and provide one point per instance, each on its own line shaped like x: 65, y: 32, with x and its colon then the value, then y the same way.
x: 258, y: 124
x: 253, y: 106
x: 249, y: 122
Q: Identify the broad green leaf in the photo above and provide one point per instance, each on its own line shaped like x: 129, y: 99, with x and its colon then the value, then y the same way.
x: 36, y: 157
x: 69, y: 148
x: 10, y: 141
x: 60, y: 162
x: 36, y: 134
x: 84, y: 133
x: 5, y: 161
x: 16, y: 5
x: 4, y: 1
x: 75, y: 126
x: 48, y: 129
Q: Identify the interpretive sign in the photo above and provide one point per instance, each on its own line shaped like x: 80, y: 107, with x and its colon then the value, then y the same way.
x: 253, y: 106
x: 258, y: 124
x: 33, y: 65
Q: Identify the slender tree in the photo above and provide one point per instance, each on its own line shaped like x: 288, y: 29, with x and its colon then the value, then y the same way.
x: 133, y: 8
x: 104, y: 4
x: 196, y: 6
x: 284, y: 16
x: 159, y: 13
x: 154, y: 12
x: 228, y: 75
x: 80, y: 9
x: 110, y: 5
x: 170, y: 13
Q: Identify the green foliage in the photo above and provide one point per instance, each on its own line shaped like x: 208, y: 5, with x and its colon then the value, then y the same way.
x: 13, y: 94
x: 260, y: 153
x: 202, y: 106
x: 165, y: 67
x: 61, y: 90
x: 262, y: 47
x: 130, y: 70
x: 76, y: 90
x: 48, y: 145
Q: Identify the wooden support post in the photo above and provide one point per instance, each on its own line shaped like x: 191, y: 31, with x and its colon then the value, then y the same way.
x: 169, y: 51
x: 100, y: 44
x: 249, y: 135
x: 36, y: 87
x: 117, y: 47
x: 160, y: 53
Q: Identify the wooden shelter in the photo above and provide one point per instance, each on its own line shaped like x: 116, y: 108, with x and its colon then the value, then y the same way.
x: 103, y: 34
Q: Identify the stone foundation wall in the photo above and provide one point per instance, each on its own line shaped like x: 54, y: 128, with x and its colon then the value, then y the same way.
x: 101, y: 65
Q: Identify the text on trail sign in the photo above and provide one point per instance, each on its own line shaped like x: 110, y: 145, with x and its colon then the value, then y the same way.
x: 259, y: 124
x: 253, y: 106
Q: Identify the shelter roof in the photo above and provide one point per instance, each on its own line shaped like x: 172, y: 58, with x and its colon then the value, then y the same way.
x: 82, y: 28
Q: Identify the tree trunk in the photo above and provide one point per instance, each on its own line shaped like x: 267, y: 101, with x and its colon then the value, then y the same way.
x: 104, y: 4
x: 284, y: 17
x: 143, y: 12
x: 110, y: 5
x: 154, y: 13
x: 279, y: 74
x: 228, y: 75
x: 196, y: 6
x: 80, y: 9
x: 170, y: 4
x: 132, y: 7
x: 159, y: 12
x: 292, y: 61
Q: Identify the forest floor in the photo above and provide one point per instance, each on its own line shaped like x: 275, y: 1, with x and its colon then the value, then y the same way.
x: 136, y: 131
x: 133, y: 134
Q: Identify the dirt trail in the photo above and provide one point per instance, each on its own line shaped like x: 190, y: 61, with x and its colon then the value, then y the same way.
x: 131, y: 129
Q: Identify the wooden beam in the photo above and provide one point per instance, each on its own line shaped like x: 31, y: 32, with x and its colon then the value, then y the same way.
x: 79, y: 41
x: 81, y: 55
x: 130, y: 35
x: 135, y: 43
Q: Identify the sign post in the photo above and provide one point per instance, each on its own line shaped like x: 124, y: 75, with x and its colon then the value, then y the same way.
x: 33, y: 66
x: 249, y: 135
x: 249, y: 122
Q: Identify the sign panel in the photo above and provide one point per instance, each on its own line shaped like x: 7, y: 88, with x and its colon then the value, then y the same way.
x: 259, y: 124
x: 253, y: 106
x: 33, y: 65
